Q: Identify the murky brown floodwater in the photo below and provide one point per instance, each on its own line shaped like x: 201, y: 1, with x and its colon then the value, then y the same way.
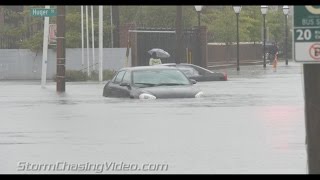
x: 253, y: 123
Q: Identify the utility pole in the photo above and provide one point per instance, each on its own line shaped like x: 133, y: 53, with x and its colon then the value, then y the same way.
x: 87, y: 28
x: 100, y: 43
x: 238, y: 61
x: 116, y: 21
x: 178, y: 34
x: 61, y: 49
x: 264, y: 41
x: 82, y: 39
x: 111, y: 26
x: 286, y: 39
x: 92, y: 40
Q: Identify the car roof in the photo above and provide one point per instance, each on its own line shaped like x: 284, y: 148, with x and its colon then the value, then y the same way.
x: 185, y: 64
x: 174, y: 64
x: 138, y: 68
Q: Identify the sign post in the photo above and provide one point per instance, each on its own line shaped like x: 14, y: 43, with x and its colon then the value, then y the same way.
x: 44, y: 12
x: 45, y: 51
x: 306, y: 36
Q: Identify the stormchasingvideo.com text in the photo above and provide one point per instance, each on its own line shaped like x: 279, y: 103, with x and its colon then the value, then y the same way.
x: 91, y: 167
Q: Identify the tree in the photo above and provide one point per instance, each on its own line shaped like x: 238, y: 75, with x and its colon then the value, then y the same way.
x: 251, y: 23
x: 156, y: 16
x: 221, y: 22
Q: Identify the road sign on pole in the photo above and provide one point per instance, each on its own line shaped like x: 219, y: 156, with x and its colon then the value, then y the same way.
x: 306, y: 35
x: 43, y: 12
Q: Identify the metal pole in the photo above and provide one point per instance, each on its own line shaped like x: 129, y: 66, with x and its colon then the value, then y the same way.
x: 45, y: 50
x: 264, y: 41
x: 111, y: 26
x: 82, y: 38
x: 61, y: 49
x: 100, y: 43
x: 311, y: 78
x: 116, y: 22
x: 178, y: 34
x: 238, y: 65
x: 92, y: 40
x: 286, y: 39
x: 87, y: 28
x: 199, y: 22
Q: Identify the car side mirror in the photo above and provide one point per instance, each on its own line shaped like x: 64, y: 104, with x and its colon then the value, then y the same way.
x: 193, y: 81
x: 125, y: 84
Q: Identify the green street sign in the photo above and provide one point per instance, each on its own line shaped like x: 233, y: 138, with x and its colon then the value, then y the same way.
x: 43, y: 12
x: 306, y: 34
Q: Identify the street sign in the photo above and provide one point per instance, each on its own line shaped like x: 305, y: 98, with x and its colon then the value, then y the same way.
x: 306, y: 35
x: 43, y: 12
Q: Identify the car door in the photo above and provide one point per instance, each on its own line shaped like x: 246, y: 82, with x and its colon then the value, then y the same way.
x: 115, y: 84
x: 124, y: 91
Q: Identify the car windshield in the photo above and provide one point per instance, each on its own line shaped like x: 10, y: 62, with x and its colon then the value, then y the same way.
x: 202, y: 69
x: 159, y: 77
x: 188, y: 71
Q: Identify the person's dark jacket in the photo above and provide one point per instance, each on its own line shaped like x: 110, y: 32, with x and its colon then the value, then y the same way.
x: 273, y: 50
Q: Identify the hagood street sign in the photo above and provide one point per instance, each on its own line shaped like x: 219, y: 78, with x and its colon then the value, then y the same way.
x: 43, y: 12
x: 306, y: 35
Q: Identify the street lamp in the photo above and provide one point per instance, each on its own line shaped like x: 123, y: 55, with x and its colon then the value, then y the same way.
x: 198, y: 9
x: 286, y: 12
x: 237, y: 10
x: 264, y: 10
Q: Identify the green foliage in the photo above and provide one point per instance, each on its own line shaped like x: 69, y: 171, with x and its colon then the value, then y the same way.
x: 250, y: 23
x: 107, y: 75
x: 222, y: 24
x: 157, y: 16
x: 76, y: 75
x: 220, y: 21
x: 34, y: 43
x: 276, y: 26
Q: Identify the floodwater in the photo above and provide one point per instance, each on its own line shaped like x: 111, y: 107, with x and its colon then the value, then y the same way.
x: 252, y: 123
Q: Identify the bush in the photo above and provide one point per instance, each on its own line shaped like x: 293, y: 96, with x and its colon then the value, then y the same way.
x: 107, y: 75
x: 76, y: 75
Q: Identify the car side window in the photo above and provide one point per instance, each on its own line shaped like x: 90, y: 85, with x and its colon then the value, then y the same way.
x: 119, y: 77
x: 127, y: 77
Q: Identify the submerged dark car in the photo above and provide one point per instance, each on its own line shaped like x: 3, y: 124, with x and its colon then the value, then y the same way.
x: 198, y: 73
x: 151, y: 82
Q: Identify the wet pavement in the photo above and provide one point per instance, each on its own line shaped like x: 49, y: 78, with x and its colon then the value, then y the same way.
x: 252, y: 123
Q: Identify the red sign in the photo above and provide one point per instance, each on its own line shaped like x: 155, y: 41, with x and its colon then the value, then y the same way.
x: 52, y: 34
x: 314, y: 51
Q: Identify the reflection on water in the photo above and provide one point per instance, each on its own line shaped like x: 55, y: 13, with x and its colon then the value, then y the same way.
x: 253, y: 123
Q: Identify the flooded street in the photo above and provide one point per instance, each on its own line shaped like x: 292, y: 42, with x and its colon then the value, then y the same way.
x: 252, y: 123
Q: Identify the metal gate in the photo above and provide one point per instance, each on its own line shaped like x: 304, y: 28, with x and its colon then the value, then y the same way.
x: 165, y: 39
